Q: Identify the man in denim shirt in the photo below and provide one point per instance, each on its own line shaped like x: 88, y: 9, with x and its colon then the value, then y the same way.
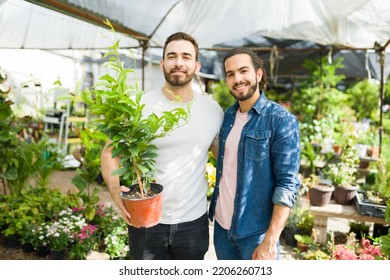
x: 258, y: 163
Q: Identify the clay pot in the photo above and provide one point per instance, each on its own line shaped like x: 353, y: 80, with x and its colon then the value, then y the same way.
x: 320, y: 195
x: 345, y: 195
x: 144, y: 212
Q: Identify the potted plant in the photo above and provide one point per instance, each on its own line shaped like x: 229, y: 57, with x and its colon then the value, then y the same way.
x: 120, y: 110
x: 319, y: 191
x: 303, y: 242
x: 372, y: 200
x: 343, y: 172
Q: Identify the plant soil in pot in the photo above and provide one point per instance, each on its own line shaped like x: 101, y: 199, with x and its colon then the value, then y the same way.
x: 320, y: 195
x: 146, y: 211
x: 366, y: 207
x: 345, y: 195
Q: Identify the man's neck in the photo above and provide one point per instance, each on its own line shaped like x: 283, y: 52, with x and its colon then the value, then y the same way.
x: 246, y: 105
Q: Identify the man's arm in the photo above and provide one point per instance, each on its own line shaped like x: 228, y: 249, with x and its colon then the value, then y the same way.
x: 267, y: 249
x: 214, y: 150
x: 109, y: 165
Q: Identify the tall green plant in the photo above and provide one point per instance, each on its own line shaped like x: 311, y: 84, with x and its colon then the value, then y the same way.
x: 92, y: 142
x: 8, y: 136
x: 363, y: 98
x: 222, y: 95
x: 120, y: 109
x: 318, y: 95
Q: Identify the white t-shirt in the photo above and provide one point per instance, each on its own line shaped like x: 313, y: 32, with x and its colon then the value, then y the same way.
x: 183, y: 154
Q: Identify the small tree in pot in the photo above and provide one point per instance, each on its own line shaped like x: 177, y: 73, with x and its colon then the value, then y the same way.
x: 120, y: 108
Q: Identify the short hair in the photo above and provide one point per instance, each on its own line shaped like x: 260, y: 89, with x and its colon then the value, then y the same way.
x: 182, y: 36
x: 257, y: 63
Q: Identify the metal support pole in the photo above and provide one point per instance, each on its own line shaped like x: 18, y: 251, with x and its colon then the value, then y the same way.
x: 381, y: 50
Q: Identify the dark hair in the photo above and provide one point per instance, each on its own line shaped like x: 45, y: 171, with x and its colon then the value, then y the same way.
x: 182, y: 36
x: 257, y: 63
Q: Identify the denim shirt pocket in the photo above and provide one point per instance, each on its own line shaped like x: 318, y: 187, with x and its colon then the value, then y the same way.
x: 257, y: 144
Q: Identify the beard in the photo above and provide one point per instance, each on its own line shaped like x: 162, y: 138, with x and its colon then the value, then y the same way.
x: 177, y: 81
x: 242, y: 96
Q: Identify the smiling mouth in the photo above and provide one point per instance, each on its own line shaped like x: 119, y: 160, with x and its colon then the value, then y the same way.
x: 240, y: 87
x: 178, y: 71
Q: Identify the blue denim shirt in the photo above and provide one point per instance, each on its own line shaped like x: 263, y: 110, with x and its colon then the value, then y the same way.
x: 267, y: 167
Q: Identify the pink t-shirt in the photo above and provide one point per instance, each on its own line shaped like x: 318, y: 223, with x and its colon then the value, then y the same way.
x: 227, y: 185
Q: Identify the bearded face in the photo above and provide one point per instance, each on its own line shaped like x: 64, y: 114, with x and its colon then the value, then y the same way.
x: 179, y: 64
x: 241, y: 77
x: 244, y: 91
x: 178, y: 76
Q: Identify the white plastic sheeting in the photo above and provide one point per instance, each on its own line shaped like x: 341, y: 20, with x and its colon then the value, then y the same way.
x: 346, y: 23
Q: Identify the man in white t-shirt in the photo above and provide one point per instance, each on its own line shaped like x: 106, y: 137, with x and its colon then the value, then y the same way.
x: 183, y: 231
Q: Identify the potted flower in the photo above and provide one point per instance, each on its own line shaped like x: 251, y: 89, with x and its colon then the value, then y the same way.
x: 61, y: 232
x: 303, y: 242
x: 372, y: 200
x: 84, y: 242
x: 120, y: 110
x: 117, y: 243
x: 343, y: 173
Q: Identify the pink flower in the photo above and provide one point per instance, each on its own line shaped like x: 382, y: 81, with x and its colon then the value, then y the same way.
x: 366, y: 252
x: 342, y: 252
x: 87, y: 232
x: 369, y: 252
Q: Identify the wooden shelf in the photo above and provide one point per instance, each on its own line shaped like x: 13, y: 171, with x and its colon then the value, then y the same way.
x: 73, y: 140
x: 77, y: 119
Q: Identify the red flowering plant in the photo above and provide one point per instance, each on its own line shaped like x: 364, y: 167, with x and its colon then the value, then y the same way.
x: 84, y: 242
x: 107, y: 219
x: 363, y: 251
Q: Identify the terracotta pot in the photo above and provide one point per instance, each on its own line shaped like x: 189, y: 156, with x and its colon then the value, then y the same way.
x: 303, y: 247
x: 337, y: 149
x: 320, y: 195
x: 345, y: 195
x: 145, y: 212
x: 363, y: 164
x: 373, y: 152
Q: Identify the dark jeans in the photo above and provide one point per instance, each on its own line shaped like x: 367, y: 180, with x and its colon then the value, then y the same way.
x: 184, y: 241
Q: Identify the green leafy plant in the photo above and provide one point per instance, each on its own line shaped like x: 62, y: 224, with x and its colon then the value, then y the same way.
x: 47, y: 160
x: 305, y: 224
x: 318, y: 96
x: 343, y: 172
x: 117, y: 243
x: 120, y: 109
x: 92, y: 142
x: 84, y: 242
x: 363, y: 99
x: 222, y: 95
x: 382, y: 180
x: 304, y: 239
x: 384, y: 240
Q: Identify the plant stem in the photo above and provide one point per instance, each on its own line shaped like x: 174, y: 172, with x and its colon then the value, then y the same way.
x: 140, y: 183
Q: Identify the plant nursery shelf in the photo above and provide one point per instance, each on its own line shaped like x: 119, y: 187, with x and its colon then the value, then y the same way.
x: 367, y: 208
x: 334, y: 210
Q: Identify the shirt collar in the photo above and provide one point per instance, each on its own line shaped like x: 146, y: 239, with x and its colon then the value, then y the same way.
x: 259, y: 105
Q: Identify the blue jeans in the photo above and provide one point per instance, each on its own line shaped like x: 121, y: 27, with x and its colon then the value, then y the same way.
x: 236, y: 249
x: 183, y: 241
